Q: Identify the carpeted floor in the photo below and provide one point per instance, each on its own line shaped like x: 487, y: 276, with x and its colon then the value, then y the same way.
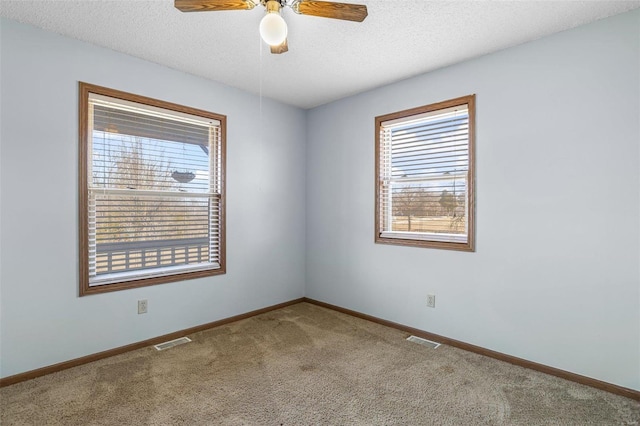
x: 306, y: 365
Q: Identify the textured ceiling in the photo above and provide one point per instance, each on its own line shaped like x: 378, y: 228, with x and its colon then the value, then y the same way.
x: 327, y: 59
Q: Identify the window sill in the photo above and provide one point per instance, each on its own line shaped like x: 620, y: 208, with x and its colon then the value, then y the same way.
x: 128, y: 280
x: 427, y: 240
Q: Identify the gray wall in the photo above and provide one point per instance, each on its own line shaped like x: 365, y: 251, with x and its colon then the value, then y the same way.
x: 555, y: 278
x: 42, y: 320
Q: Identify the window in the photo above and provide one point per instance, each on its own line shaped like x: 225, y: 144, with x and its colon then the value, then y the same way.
x: 152, y: 192
x: 425, y: 176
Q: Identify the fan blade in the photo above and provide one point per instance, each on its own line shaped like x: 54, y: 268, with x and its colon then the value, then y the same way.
x: 213, y: 5
x: 326, y: 9
x: 282, y: 48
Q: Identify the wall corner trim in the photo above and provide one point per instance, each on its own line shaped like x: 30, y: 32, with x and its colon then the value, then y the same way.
x: 577, y: 378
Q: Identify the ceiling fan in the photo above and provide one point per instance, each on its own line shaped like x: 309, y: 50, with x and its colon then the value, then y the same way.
x: 273, y: 29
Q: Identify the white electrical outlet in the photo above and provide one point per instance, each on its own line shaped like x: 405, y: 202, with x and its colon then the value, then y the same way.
x: 142, y: 306
x: 431, y: 300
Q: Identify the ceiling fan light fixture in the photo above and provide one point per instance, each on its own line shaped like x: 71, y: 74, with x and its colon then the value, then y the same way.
x: 273, y: 28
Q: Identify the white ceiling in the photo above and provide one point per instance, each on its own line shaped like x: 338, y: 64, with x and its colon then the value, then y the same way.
x: 328, y: 59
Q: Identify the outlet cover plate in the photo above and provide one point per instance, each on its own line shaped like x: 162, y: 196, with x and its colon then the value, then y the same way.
x: 431, y: 300
x: 142, y: 306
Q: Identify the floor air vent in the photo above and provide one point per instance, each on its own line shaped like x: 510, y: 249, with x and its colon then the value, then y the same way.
x: 424, y: 342
x: 172, y: 343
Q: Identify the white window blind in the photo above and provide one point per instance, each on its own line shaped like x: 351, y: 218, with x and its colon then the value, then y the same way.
x: 424, y: 175
x: 154, y: 191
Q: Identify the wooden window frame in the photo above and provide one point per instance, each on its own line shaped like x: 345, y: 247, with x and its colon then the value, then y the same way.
x: 469, y: 245
x: 85, y: 289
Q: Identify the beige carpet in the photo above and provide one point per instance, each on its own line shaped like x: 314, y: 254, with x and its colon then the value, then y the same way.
x: 306, y: 365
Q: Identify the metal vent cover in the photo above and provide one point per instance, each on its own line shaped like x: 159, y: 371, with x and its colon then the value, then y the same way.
x: 424, y: 342
x: 172, y: 343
